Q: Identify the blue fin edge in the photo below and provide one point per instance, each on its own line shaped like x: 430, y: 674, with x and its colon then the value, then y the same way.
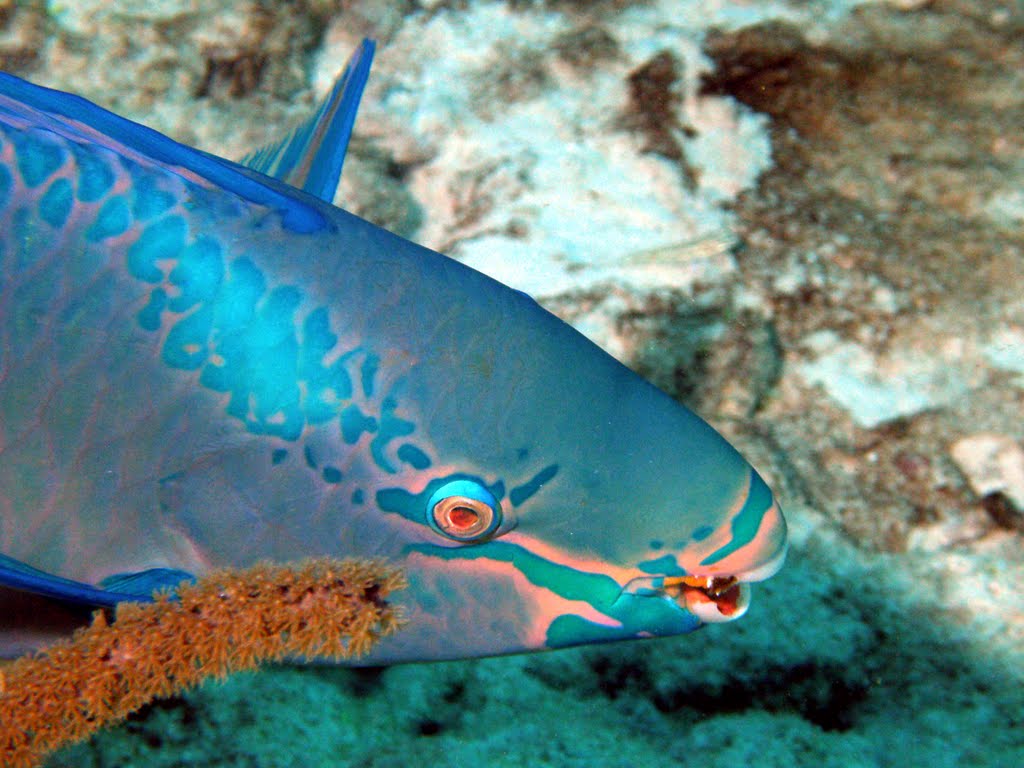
x: 132, y: 587
x: 311, y: 156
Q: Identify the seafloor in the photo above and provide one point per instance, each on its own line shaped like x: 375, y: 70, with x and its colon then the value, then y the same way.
x: 805, y: 219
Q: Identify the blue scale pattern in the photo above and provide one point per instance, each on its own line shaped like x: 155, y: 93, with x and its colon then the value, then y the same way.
x: 243, y: 335
x: 164, y: 239
x: 25, y: 237
x: 5, y: 184
x: 38, y: 156
x: 55, y: 204
x: 113, y: 219
x: 95, y: 178
x: 148, y: 201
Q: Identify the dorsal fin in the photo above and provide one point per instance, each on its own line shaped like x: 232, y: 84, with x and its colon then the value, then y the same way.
x: 311, y: 155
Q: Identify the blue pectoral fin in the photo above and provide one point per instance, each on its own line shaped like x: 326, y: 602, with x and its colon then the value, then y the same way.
x: 144, y: 583
x: 138, y: 587
x: 310, y: 157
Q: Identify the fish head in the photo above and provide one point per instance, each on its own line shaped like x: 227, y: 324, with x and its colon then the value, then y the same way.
x: 568, y: 502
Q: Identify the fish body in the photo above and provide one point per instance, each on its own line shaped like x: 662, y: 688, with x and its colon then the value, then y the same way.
x: 203, y: 365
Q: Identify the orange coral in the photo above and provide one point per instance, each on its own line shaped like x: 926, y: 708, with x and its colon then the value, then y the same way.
x: 229, y: 620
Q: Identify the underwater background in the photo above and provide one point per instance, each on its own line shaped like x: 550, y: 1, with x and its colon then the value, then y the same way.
x: 804, y: 219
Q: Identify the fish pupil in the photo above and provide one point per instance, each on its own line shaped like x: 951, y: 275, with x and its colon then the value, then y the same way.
x: 463, y: 517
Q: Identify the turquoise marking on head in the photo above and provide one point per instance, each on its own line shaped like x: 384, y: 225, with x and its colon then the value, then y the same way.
x: 702, y: 532
x: 596, y: 589
x: 198, y: 274
x: 368, y: 371
x: 149, y: 316
x: 391, y: 426
x: 258, y: 342
x: 325, y: 386
x: 185, y: 346
x: 354, y: 423
x: 628, y: 616
x: 522, y: 493
x: 307, y: 453
x: 413, y: 456
x: 746, y: 523
x: 666, y: 565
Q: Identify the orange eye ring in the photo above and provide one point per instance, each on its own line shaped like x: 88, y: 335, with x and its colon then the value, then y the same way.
x: 464, y: 510
x: 462, y: 517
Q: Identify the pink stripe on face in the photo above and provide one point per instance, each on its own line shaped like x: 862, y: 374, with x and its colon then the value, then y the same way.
x: 758, y: 559
x: 540, y: 604
x: 553, y: 554
x: 761, y: 557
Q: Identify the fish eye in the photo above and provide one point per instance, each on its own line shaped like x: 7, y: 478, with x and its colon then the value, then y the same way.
x: 464, y: 511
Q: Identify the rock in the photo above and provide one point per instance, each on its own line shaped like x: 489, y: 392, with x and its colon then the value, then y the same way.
x: 992, y: 464
x: 879, y: 389
x: 1005, y: 351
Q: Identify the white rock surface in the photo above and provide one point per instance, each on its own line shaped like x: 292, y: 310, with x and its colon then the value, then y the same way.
x: 546, y: 192
x: 1005, y: 351
x: 992, y: 463
x: 877, y: 389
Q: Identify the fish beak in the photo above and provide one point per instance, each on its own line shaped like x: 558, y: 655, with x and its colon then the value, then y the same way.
x: 714, y: 599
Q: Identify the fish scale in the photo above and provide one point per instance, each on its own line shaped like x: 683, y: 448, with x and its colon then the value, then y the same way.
x: 151, y: 297
x: 203, y: 365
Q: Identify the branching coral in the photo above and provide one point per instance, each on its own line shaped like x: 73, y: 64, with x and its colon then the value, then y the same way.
x: 228, y: 621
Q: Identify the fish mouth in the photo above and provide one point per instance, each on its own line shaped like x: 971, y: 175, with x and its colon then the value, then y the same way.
x: 713, y: 598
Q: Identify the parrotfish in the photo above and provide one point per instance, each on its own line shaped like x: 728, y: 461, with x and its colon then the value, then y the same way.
x: 206, y: 363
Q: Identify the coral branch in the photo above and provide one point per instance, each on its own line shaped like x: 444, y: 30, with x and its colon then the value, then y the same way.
x: 230, y: 620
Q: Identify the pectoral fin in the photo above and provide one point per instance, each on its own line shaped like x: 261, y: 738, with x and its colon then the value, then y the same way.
x: 127, y: 587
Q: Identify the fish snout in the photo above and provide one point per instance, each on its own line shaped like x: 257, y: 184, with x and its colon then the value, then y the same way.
x: 710, y: 577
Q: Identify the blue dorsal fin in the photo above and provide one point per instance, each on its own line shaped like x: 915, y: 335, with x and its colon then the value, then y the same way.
x: 135, y: 587
x: 311, y: 155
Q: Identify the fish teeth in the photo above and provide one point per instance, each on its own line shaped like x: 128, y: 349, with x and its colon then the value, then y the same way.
x: 710, y: 612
